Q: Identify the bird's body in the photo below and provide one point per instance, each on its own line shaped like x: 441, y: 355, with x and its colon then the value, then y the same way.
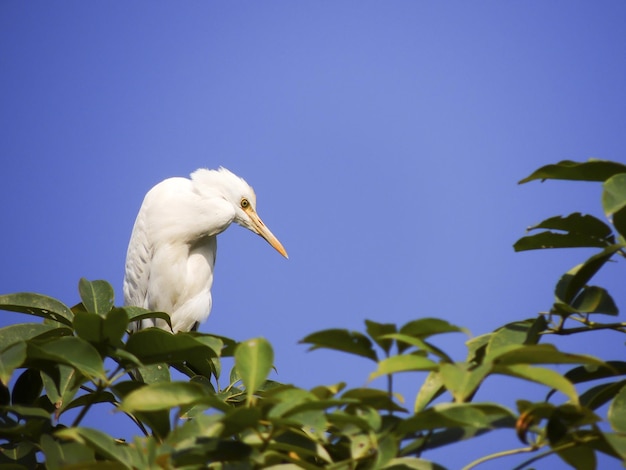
x: 171, y: 254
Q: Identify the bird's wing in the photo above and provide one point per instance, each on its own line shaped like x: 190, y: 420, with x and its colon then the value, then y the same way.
x: 137, y: 274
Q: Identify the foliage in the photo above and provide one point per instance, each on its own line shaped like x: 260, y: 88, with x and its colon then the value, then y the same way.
x: 53, y: 373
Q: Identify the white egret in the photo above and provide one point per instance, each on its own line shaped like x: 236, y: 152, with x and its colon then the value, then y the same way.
x: 171, y: 254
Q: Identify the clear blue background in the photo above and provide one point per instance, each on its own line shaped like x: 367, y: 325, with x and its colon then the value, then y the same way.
x: 384, y: 141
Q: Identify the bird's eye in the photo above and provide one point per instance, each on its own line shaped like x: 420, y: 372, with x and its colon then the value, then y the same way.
x: 245, y: 203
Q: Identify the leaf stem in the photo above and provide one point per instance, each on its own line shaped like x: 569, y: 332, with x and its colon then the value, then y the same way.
x: 504, y: 453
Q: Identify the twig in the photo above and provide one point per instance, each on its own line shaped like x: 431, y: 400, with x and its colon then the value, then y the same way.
x: 497, y: 455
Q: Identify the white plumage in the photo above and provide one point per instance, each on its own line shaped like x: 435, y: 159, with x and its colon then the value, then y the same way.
x: 171, y: 254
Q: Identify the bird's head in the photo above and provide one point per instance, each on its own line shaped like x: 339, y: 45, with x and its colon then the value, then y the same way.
x: 240, y: 194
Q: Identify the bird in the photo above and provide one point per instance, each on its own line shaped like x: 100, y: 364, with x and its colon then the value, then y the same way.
x: 172, y: 248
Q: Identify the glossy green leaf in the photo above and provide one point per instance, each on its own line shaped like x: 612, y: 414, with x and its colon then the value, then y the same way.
x: 614, y: 194
x: 617, y: 441
x: 549, y: 239
x: 24, y: 331
x: 451, y: 415
x: 403, y: 363
x: 158, y: 421
x: 154, y: 373
x: 617, y: 411
x: 154, y: 345
x: 540, y: 375
x: 406, y: 341
x: 411, y: 463
x: 580, y: 231
x: 342, y: 340
x: 591, y: 170
x: 364, y: 418
x: 597, y: 396
x: 238, y: 419
x: 91, y: 399
x: 38, y: 305
x: 114, y: 326
x: 72, y: 351
x: 425, y: 327
x: 213, y: 449
x: 461, y: 380
x: 103, y: 444
x: 27, y: 388
x: 619, y: 222
x: 61, y: 389
x: 579, y: 456
x: 594, y: 372
x: 592, y: 299
x: 431, y: 389
x: 10, y: 359
x: 254, y: 359
x: 540, y: 354
x: 138, y: 314
x: 377, y: 399
x: 88, y: 326
x: 576, y: 278
x: 61, y: 455
x: 378, y: 332
x: 515, y: 333
x: 164, y: 396
x: 97, y: 296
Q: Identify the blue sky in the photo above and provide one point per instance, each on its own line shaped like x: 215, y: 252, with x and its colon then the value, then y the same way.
x: 384, y: 141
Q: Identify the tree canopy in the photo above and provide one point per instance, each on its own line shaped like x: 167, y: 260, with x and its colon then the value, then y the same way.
x: 53, y: 372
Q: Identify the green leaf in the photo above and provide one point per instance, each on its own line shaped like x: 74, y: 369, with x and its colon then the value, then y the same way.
x: 211, y: 450
x: 27, y: 388
x: 411, y: 463
x: 460, y: 380
x: 72, y: 351
x: 114, y: 326
x: 97, y: 296
x: 593, y: 299
x: 154, y: 373
x: 425, y: 327
x: 594, y: 372
x: 403, y: 363
x: 62, y: 388
x: 614, y: 194
x: 10, y: 359
x: 431, y: 389
x: 576, y: 278
x: 540, y: 354
x: 377, y: 399
x: 579, y: 456
x: 597, y: 396
x: 154, y: 345
x: 138, y: 314
x: 515, y: 333
x: 38, y: 305
x: 405, y: 341
x: 100, y: 442
x: 617, y: 442
x: 617, y: 411
x: 88, y: 326
x: 158, y: 421
x: 164, y: 396
x: 379, y: 331
x: 24, y: 331
x: 451, y: 415
x: 580, y: 231
x: 62, y: 455
x: 253, y: 360
x: 540, y: 375
x: 591, y: 170
x: 342, y: 340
